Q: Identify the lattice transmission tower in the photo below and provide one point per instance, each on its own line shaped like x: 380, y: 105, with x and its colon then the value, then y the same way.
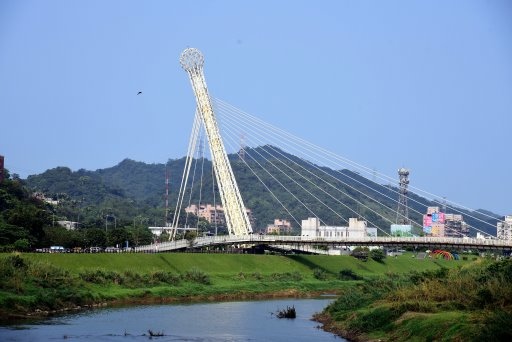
x: 237, y: 220
x: 402, y: 213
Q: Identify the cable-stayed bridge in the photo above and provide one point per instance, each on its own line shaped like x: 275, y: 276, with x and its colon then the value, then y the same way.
x: 303, y: 180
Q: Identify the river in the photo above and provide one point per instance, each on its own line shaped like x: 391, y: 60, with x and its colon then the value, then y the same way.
x: 201, y: 322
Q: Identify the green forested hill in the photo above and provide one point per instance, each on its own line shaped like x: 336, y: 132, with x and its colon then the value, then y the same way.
x: 134, y: 188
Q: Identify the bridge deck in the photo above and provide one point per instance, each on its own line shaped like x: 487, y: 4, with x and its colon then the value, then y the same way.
x: 431, y: 242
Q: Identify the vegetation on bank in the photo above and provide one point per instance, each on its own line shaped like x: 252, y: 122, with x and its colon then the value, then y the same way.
x: 468, y: 303
x: 31, y: 283
x: 22, y: 217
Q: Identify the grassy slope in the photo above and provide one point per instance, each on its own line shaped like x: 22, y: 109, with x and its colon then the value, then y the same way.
x: 230, y: 264
x: 213, y: 264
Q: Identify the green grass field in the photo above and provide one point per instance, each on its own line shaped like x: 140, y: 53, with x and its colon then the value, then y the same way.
x: 232, y: 264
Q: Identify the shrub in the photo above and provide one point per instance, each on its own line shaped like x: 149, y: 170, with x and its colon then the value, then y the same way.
x: 99, y: 276
x: 49, y: 276
x: 257, y: 276
x: 93, y: 276
x: 165, y: 277
x: 12, y: 273
x: 287, y: 276
x: 377, y: 255
x: 496, y: 327
x: 348, y: 274
x: 360, y: 253
x: 319, y: 274
x: 197, y: 276
x: 16, y: 261
x: 133, y: 279
x: 379, y: 318
x: 348, y: 301
x: 22, y: 245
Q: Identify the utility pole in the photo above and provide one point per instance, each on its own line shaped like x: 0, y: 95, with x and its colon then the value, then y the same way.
x: 166, y: 195
x: 402, y: 213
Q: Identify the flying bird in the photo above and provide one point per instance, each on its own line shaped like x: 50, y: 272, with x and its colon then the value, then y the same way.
x: 140, y: 92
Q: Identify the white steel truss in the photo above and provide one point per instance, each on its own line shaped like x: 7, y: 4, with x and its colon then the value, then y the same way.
x: 237, y: 220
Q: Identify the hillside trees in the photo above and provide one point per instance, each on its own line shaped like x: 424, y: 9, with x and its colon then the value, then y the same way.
x: 22, y: 217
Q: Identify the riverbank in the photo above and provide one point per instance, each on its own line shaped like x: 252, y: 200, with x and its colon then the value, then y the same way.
x: 42, y: 284
x: 467, y: 303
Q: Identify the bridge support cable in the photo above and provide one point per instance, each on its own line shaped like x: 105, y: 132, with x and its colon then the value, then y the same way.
x: 307, y: 180
x: 214, y: 202
x: 274, y: 195
x: 255, y: 131
x: 237, y: 220
x: 329, y: 184
x: 303, y: 151
x: 281, y: 184
x: 329, y: 156
x: 196, y: 159
x: 308, y: 157
x: 186, y: 171
x: 296, y: 183
x: 299, y: 141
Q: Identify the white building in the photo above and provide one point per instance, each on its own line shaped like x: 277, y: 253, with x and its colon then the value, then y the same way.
x: 69, y: 225
x: 356, y: 228
x: 504, y: 228
x: 401, y: 230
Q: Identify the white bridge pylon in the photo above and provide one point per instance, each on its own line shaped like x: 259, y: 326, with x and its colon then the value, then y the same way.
x: 237, y: 221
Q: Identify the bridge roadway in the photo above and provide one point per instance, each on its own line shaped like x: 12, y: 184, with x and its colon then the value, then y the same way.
x: 301, y: 241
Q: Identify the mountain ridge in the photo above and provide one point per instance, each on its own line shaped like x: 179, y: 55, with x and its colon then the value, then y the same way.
x: 140, y: 187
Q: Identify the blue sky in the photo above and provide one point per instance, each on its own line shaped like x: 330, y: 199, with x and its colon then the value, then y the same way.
x: 422, y: 84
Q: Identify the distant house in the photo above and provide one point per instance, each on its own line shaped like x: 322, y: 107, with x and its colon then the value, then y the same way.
x: 213, y: 214
x: 280, y: 227
x: 42, y: 197
x: 69, y: 225
x: 504, y: 228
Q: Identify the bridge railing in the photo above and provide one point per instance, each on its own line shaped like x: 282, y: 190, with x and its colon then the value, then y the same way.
x: 346, y: 241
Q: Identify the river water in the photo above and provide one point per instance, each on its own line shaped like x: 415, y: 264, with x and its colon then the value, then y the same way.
x: 201, y: 322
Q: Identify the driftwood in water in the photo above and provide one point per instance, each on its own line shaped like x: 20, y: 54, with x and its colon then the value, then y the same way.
x: 289, y: 312
x: 154, y: 334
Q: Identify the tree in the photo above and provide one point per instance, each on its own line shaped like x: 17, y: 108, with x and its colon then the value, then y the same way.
x: 377, y: 255
x: 9, y: 233
x: 164, y: 236
x: 95, y: 237
x: 22, y: 245
x: 360, y: 253
x: 140, y: 236
x: 203, y: 225
x: 56, y: 236
x: 117, y: 237
x: 190, y: 236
